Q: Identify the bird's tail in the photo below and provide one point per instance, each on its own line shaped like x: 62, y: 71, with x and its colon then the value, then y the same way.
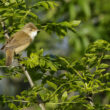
x: 9, y: 56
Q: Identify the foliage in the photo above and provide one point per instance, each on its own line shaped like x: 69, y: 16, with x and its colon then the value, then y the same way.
x: 64, y: 83
x: 95, y: 18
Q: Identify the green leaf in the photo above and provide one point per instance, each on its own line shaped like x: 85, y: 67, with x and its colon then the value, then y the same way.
x: 33, y: 15
x: 45, y: 4
x: 103, y: 65
x: 42, y: 62
x: 63, y: 59
x: 3, y: 10
x: 106, y: 57
x: 52, y: 4
x: 72, y: 98
x: 12, y: 106
x: 50, y: 65
x: 93, y: 59
x: 85, y: 7
x: 75, y: 23
x: 51, y: 84
x: 106, y: 74
x: 2, y: 77
x: 64, y: 96
x: 40, y: 52
x: 72, y: 11
x: 61, y: 28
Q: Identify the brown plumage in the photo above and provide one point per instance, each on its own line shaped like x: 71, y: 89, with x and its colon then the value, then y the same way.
x: 19, y: 41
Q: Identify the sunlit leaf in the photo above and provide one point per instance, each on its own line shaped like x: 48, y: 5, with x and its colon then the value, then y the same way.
x: 51, y: 84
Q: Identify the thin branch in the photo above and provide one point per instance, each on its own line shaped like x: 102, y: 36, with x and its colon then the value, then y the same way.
x: 4, y: 66
x: 91, y: 103
x: 90, y: 99
x: 5, y: 30
x: 23, y: 101
x: 27, y: 75
x: 41, y: 104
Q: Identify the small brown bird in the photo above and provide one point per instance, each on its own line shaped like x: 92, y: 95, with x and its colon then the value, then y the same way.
x: 19, y: 41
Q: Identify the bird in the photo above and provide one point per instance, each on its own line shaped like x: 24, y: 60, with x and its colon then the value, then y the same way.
x: 19, y: 41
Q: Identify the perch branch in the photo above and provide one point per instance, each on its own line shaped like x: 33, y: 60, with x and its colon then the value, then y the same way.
x: 27, y: 75
x: 41, y: 104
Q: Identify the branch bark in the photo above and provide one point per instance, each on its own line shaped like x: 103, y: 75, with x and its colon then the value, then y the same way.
x: 90, y: 100
x: 27, y: 75
x: 41, y: 104
x: 5, y: 30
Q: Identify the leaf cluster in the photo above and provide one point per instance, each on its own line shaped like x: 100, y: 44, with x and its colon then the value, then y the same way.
x: 66, y: 83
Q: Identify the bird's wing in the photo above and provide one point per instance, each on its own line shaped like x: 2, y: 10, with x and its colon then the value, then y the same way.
x: 18, y: 39
x: 6, y: 43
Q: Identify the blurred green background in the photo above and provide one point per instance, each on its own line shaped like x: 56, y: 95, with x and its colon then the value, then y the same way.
x: 95, y: 24
x: 95, y: 19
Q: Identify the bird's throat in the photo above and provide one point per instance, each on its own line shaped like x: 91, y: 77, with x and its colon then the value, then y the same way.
x: 33, y: 34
